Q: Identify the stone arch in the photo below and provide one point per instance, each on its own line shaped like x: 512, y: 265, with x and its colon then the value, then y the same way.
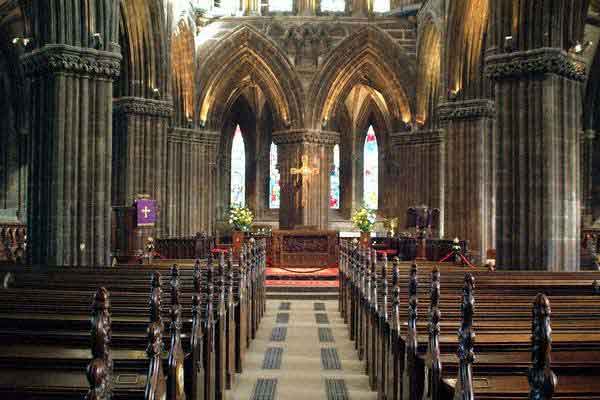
x: 372, y: 113
x: 183, y: 54
x: 144, y: 39
x: 429, y: 67
x: 465, y: 44
x: 246, y: 56
x: 369, y: 57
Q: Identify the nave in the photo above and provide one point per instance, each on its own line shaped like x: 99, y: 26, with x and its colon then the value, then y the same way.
x: 302, y: 351
x: 208, y: 331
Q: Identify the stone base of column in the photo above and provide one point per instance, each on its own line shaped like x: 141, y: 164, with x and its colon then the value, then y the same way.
x: 470, y: 173
x: 419, y: 158
x: 538, y: 96
x: 69, y: 210
x: 191, y: 182
x: 140, y: 151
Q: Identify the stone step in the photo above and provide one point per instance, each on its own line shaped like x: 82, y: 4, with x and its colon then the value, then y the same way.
x: 302, y: 295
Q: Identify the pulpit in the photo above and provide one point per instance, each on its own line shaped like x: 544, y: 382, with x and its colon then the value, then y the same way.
x: 132, y: 226
x: 304, y: 248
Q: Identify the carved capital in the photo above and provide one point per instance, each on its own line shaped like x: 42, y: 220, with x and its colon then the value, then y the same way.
x: 143, y: 106
x: 524, y: 64
x: 306, y: 136
x: 188, y: 136
x: 469, y: 109
x: 433, y: 137
x: 60, y: 58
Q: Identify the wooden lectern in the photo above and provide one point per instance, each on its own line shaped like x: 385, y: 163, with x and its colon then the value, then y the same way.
x: 132, y: 226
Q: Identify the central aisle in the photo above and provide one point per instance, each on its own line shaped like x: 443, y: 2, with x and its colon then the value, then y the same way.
x: 302, y: 351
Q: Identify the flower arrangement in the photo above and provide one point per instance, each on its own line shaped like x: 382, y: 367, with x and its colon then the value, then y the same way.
x: 364, y: 219
x: 240, y: 219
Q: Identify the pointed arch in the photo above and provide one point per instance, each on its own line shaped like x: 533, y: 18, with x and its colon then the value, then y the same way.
x: 466, y: 31
x: 371, y: 169
x: 429, y: 56
x: 247, y: 57
x: 238, y: 169
x: 369, y: 57
x: 183, y: 54
x: 144, y: 37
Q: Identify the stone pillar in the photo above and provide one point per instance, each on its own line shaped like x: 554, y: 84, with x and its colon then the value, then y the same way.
x: 190, y: 182
x: 419, y: 157
x: 470, y: 173
x: 251, y: 7
x: 72, y: 69
x: 306, y: 8
x: 361, y: 8
x: 305, y: 199
x: 587, y: 156
x: 538, y: 99
x: 140, y: 151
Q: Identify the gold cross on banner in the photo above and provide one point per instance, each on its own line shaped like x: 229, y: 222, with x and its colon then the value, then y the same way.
x: 305, y: 169
x: 146, y: 211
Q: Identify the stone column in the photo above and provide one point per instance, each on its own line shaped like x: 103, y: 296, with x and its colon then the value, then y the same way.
x: 419, y: 157
x: 140, y: 151
x: 305, y: 199
x: 190, y: 182
x: 72, y: 72
x: 251, y: 7
x: 361, y: 8
x: 306, y: 8
x: 470, y: 172
x: 538, y: 98
x: 587, y: 156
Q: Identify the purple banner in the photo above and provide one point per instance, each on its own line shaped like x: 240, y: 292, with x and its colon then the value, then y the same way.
x: 146, y: 212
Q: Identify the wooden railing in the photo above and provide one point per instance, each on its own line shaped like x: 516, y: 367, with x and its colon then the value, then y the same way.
x: 195, y: 247
x: 435, y: 249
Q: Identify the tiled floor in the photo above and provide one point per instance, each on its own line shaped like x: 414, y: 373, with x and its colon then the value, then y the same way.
x: 301, y: 373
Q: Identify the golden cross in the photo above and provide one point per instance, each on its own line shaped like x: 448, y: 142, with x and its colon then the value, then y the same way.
x: 305, y: 169
x: 146, y: 211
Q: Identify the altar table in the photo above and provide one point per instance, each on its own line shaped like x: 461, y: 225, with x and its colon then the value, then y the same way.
x: 304, y: 248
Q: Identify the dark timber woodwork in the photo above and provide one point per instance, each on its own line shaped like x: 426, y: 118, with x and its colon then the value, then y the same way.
x: 509, y: 345
x: 44, y: 327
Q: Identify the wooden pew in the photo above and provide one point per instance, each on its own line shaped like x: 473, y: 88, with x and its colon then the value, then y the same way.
x: 501, y: 330
x: 60, y: 321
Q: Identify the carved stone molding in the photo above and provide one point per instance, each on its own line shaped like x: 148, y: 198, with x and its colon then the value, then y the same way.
x: 143, y: 106
x: 306, y: 136
x: 182, y: 135
x: 469, y: 109
x: 524, y: 64
x: 60, y: 58
x: 418, y: 138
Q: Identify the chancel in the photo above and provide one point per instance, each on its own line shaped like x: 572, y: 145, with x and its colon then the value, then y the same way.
x: 291, y: 199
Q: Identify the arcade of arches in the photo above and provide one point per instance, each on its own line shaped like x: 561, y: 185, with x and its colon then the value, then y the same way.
x: 484, y: 109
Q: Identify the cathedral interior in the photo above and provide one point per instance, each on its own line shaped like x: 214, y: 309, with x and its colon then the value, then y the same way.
x: 482, y: 113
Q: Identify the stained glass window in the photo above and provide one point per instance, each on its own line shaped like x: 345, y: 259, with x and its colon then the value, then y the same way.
x: 333, y: 5
x: 281, y: 5
x: 381, y: 6
x: 371, y: 170
x: 238, y: 170
x: 274, y: 188
x: 334, y: 180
